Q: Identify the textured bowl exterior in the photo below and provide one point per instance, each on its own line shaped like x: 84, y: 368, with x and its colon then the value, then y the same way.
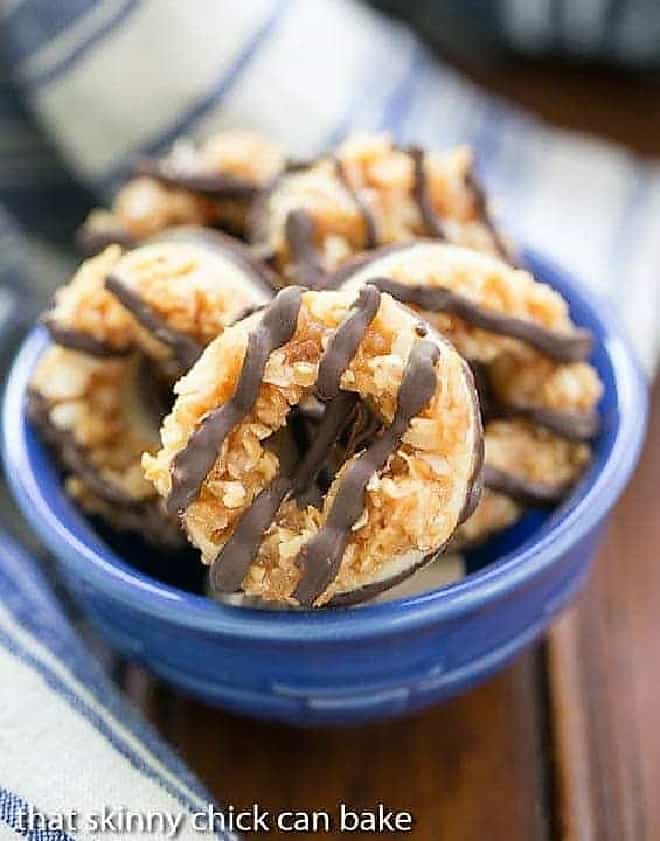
x: 344, y: 665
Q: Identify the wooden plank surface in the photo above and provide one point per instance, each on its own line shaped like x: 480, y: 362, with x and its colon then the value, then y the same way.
x: 470, y: 770
x: 618, y: 107
x: 604, y: 666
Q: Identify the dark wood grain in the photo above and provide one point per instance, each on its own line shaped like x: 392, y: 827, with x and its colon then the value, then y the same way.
x: 469, y: 770
x: 604, y: 666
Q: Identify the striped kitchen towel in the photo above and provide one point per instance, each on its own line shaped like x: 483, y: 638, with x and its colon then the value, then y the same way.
x: 109, y: 79
x: 74, y: 759
x: 88, y: 85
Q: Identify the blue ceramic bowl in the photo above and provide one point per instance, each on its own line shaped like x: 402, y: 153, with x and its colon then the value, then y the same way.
x: 353, y: 664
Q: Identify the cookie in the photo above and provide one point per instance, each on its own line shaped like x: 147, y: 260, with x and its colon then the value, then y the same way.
x: 392, y: 504
x: 167, y: 298
x: 369, y: 192
x: 528, y: 358
x: 209, y: 185
x: 99, y: 416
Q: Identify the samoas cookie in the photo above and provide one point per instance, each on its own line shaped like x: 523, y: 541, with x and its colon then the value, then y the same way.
x: 369, y: 192
x: 390, y: 506
x: 210, y: 185
x: 167, y: 298
x: 538, y: 393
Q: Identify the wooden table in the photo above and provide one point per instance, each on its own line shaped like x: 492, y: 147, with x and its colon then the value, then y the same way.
x: 565, y: 743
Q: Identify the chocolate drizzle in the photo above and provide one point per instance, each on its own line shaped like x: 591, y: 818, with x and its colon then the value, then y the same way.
x: 572, y: 425
x: 321, y: 557
x: 239, y: 551
x: 219, y: 185
x: 299, y: 235
x: 432, y: 222
x: 337, y: 416
x: 184, y: 349
x: 192, y: 464
x: 370, y: 228
x: 90, y: 240
x: 345, y: 341
x: 481, y: 205
x: 524, y: 491
x: 233, y: 561
x: 79, y: 340
x: 563, y: 347
x: 237, y: 554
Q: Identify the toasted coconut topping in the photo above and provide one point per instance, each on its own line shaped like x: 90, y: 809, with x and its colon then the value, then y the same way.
x: 411, y: 506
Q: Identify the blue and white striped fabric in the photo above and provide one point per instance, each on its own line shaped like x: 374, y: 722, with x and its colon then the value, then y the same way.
x: 107, y: 79
x: 67, y: 740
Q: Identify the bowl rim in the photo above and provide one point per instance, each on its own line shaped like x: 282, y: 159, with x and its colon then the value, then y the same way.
x: 115, y: 578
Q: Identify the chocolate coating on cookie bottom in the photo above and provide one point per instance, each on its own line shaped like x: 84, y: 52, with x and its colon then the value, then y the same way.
x: 523, y: 490
x: 212, y: 184
x: 192, y: 464
x: 370, y: 591
x: 475, y: 489
x: 90, y: 241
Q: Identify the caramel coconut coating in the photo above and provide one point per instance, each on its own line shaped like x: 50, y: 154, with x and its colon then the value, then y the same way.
x: 209, y: 185
x: 366, y: 194
x: 535, y: 455
x: 409, y: 509
x: 98, y: 417
x: 524, y: 465
x: 494, y: 513
x: 86, y: 317
x: 520, y: 373
x: 168, y: 298
x: 185, y: 289
x: 95, y: 401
